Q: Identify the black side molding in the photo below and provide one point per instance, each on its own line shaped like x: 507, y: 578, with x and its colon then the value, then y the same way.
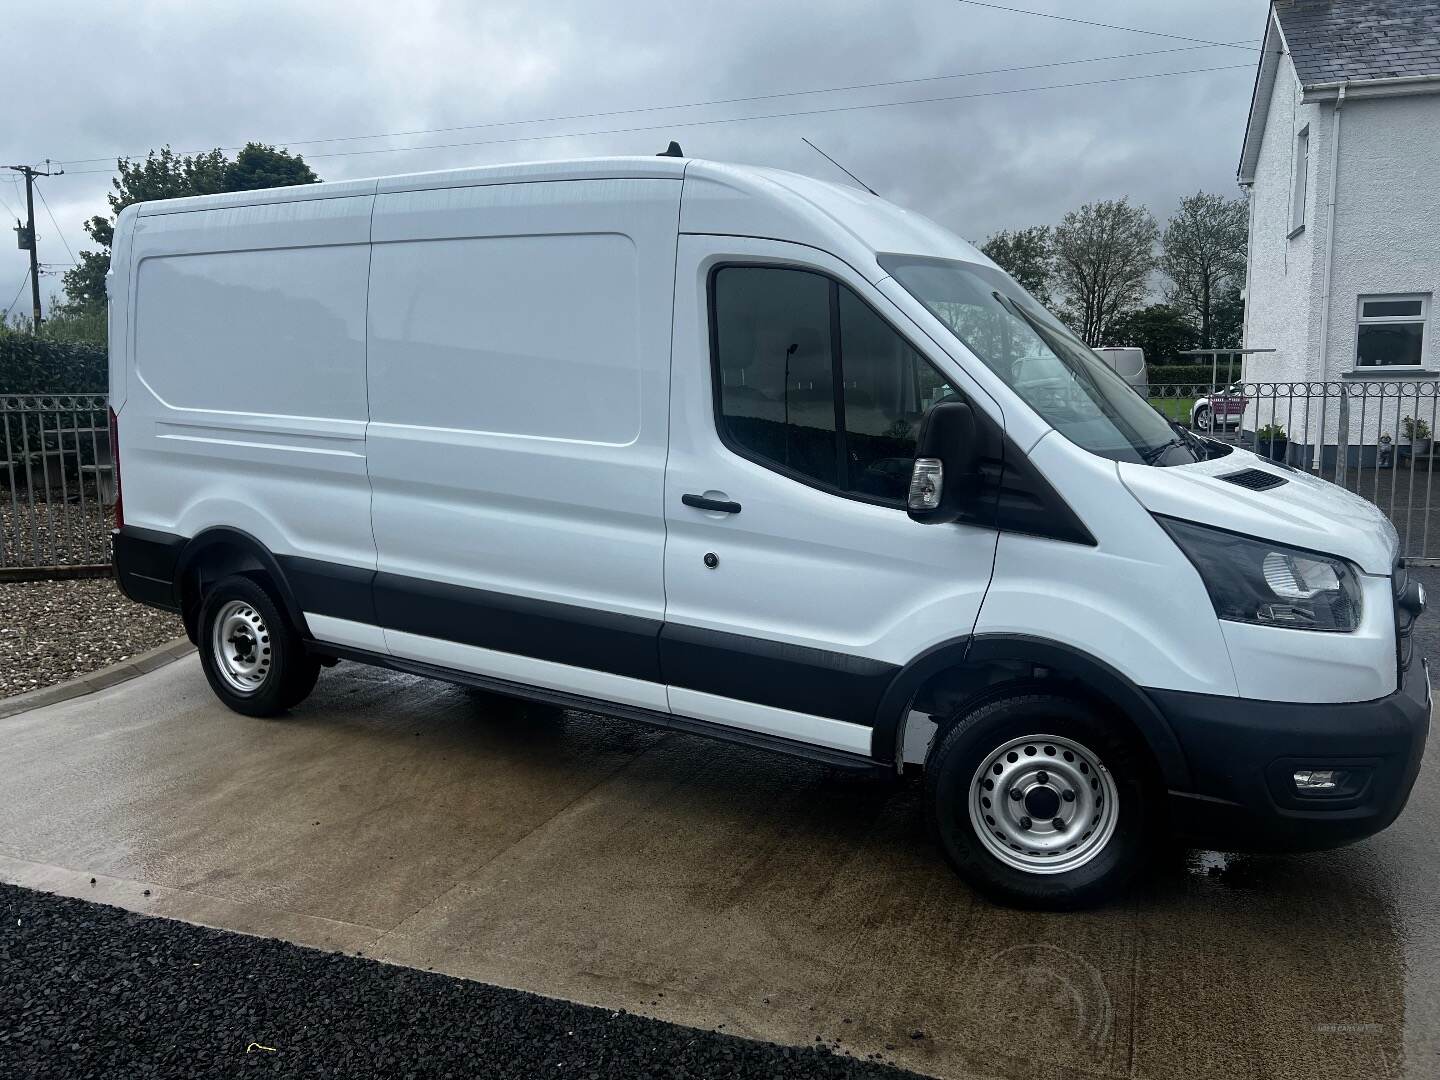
x: 773, y: 673
x: 563, y: 633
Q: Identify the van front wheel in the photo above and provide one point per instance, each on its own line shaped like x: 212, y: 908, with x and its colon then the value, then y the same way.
x: 253, y: 658
x: 1038, y: 803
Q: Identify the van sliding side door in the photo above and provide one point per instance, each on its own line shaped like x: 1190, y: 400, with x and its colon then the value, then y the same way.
x: 519, y: 365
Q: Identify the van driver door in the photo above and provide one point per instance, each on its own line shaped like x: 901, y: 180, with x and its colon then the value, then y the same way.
x: 796, y: 584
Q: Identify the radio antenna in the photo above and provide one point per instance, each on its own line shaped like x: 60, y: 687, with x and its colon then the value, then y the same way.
x: 837, y: 165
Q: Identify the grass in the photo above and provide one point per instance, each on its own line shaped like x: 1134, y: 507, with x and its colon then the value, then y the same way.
x: 1174, y: 408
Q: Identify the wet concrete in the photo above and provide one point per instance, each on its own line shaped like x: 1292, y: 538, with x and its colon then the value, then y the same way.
x: 594, y: 860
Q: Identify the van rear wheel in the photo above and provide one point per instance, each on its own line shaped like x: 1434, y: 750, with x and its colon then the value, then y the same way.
x: 253, y: 657
x: 1037, y: 802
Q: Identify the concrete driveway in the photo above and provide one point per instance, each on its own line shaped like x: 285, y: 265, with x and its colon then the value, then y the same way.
x: 594, y: 860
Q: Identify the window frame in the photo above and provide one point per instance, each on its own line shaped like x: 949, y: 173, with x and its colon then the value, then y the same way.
x: 837, y: 376
x: 1299, y: 182
x: 1362, y: 320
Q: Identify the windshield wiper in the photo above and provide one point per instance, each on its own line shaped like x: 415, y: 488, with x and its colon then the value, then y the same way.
x: 1153, y: 454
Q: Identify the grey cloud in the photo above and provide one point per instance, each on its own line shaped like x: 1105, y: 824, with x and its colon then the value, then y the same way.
x: 96, y: 83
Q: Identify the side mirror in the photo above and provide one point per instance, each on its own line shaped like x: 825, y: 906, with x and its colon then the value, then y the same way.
x: 946, y: 460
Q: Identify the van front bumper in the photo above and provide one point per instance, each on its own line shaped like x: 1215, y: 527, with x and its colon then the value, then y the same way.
x: 1243, y: 757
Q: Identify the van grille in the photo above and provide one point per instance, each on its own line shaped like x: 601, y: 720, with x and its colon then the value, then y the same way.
x: 1254, y: 479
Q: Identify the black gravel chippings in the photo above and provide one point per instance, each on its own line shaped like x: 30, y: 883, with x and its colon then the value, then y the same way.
x: 88, y: 990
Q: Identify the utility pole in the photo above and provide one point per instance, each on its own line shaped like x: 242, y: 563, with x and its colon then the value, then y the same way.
x: 26, y: 234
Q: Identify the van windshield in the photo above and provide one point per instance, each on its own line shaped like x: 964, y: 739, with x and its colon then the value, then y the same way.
x: 1048, y: 366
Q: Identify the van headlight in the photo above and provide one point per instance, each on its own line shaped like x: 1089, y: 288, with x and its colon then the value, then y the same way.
x: 1255, y: 581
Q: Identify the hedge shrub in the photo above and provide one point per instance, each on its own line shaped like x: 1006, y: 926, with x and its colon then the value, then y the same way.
x: 1188, y: 374
x: 31, y: 365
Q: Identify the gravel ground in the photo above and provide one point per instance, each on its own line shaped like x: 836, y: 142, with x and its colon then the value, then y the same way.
x: 51, y: 631
x: 54, y: 532
x: 88, y: 990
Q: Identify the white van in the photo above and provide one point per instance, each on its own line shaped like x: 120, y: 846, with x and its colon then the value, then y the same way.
x: 742, y: 453
x: 1128, y: 362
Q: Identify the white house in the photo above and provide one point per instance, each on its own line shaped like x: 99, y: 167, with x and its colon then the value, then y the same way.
x: 1342, y: 165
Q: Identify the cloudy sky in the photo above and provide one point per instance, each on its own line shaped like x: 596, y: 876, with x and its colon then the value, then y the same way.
x: 478, y: 83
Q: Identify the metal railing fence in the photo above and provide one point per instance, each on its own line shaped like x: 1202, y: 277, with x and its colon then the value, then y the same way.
x: 57, y: 483
x: 1374, y: 437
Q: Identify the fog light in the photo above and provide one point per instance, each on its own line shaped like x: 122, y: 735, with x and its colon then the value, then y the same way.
x: 1317, y: 779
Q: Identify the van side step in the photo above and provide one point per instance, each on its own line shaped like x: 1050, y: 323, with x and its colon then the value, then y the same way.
x: 820, y: 755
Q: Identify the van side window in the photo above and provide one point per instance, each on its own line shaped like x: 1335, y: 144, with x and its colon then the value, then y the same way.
x: 786, y: 341
x: 777, y: 388
x: 888, y: 387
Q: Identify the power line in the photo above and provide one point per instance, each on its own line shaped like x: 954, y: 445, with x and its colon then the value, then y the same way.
x: 1110, y: 26
x: 694, y: 104
x: 58, y: 231
x: 16, y: 298
x: 745, y: 119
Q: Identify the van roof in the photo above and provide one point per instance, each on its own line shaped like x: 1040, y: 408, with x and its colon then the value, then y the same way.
x: 720, y: 198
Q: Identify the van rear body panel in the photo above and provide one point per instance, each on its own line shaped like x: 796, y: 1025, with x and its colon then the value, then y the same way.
x: 246, y: 405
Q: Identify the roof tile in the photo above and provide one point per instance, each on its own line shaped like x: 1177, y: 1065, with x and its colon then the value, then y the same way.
x: 1332, y: 40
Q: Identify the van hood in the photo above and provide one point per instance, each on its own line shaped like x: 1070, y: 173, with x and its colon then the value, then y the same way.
x: 1304, y: 512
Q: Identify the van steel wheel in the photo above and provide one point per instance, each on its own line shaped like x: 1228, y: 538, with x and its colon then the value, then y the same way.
x: 1039, y: 801
x: 241, y: 645
x: 1043, y: 804
x: 253, y: 658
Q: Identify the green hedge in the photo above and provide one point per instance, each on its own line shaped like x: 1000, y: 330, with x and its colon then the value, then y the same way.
x: 1187, y: 374
x: 30, y: 365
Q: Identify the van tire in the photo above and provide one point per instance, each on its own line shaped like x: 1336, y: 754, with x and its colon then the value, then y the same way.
x: 253, y: 657
x: 1034, y: 748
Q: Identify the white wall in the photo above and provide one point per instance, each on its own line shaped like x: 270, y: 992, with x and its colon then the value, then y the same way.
x: 1387, y: 215
x: 1283, y: 291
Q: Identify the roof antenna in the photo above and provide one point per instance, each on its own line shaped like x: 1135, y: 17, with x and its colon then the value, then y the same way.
x: 673, y: 150
x: 837, y: 165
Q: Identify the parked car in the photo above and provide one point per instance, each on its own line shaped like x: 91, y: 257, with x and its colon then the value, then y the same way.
x: 622, y: 435
x: 1219, y: 410
x: 1129, y: 363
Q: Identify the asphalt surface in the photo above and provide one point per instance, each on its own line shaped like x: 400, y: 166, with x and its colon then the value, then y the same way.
x: 88, y: 990
x: 587, y: 859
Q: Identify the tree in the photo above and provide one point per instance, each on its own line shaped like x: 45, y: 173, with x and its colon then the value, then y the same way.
x: 1104, y: 252
x: 1160, y: 329
x: 1027, y: 255
x: 1203, y: 255
x: 1227, y: 330
x: 165, y: 174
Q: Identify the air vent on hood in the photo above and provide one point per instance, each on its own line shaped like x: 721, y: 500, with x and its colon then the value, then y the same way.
x: 1254, y: 479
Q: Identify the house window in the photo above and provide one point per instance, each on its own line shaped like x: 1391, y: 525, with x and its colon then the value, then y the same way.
x: 1299, y: 193
x: 1391, y: 331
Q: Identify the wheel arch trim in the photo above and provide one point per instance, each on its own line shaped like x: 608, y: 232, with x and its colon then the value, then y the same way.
x: 228, y: 536
x: 1067, y: 660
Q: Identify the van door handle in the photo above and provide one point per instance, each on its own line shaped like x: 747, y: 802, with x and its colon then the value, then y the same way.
x: 724, y: 506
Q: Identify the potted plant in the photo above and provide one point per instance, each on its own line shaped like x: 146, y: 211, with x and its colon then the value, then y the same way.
x: 1272, y: 442
x: 1418, y: 432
